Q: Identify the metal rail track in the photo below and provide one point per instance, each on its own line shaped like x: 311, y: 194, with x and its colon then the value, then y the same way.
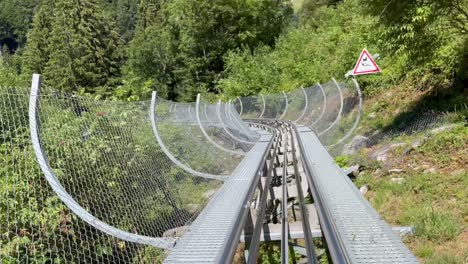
x: 285, y: 155
x: 296, y: 157
x: 352, y: 231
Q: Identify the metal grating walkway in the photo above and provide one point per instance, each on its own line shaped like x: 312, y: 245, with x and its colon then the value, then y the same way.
x: 363, y: 235
x: 219, y: 223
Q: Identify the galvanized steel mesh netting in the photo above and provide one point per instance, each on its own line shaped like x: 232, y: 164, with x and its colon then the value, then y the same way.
x: 333, y: 110
x: 104, y: 179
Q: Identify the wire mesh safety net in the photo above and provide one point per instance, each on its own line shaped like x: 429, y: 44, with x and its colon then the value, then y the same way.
x: 87, y: 181
x: 333, y: 110
x: 180, y: 132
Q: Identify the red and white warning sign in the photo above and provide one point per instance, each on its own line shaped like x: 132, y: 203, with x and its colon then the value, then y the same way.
x: 365, y: 64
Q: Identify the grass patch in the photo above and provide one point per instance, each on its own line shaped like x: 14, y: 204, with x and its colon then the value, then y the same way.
x: 342, y: 161
x: 434, y: 203
x: 424, y: 251
x: 431, y: 224
x: 446, y: 259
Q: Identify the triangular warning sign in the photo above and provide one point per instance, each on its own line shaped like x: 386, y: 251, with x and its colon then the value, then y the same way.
x: 365, y: 64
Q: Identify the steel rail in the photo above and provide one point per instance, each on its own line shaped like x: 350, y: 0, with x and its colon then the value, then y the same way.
x: 334, y: 244
x: 254, y: 246
x: 309, y: 241
x: 284, y: 203
x: 232, y: 244
x: 345, y: 240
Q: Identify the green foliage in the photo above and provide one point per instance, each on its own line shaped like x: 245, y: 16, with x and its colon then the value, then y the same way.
x: 124, y: 14
x: 33, y: 218
x: 181, y: 47
x: 37, y: 52
x: 15, y: 17
x: 302, y: 56
x: 342, y: 161
x: 270, y: 253
x: 309, y: 11
x: 150, y: 255
x: 9, y: 76
x: 75, y: 48
x: 446, y: 259
x: 431, y: 224
x: 418, y: 45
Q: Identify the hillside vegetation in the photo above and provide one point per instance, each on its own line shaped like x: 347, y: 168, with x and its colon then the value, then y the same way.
x: 125, y: 49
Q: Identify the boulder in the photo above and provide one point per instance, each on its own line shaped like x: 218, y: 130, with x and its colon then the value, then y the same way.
x: 356, y: 144
x: 396, y: 171
x: 430, y: 171
x: 352, y: 171
x: 364, y: 189
x: 443, y: 129
x: 417, y: 143
x: 176, y: 232
x: 397, y: 180
x: 209, y: 194
x: 372, y: 115
x: 381, y: 154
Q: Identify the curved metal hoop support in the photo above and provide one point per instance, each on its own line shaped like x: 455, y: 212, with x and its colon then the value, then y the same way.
x: 338, y: 117
x: 286, y: 107
x: 358, y: 119
x: 64, y: 196
x: 175, y: 112
x: 206, y: 134
x: 324, y: 108
x: 218, y: 111
x: 232, y: 117
x: 241, y: 106
x: 170, y: 108
x: 264, y: 106
x: 305, y: 106
x: 166, y: 151
x: 205, y: 114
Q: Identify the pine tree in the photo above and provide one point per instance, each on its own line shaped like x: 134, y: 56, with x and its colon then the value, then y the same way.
x: 83, y: 47
x: 148, y: 13
x: 36, y: 53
